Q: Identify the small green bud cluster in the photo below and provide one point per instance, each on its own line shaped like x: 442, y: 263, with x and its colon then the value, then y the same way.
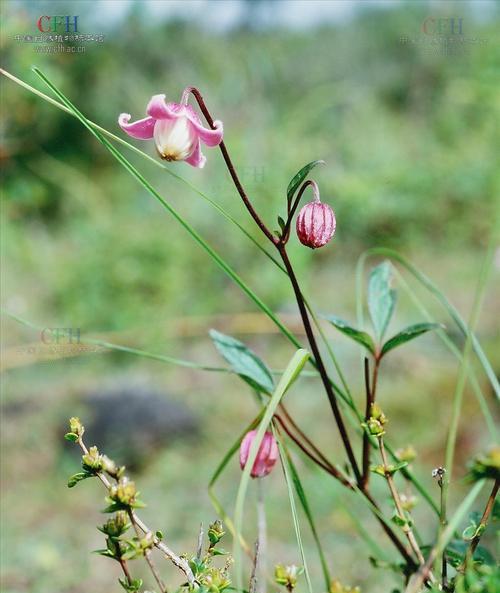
x: 123, y: 492
x: 116, y: 525
x: 215, y: 532
x: 210, y: 578
x: 376, y: 422
x: 287, y: 575
x: 76, y: 430
x: 486, y: 466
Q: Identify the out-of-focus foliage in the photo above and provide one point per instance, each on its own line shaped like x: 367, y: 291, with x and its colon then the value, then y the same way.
x: 406, y: 133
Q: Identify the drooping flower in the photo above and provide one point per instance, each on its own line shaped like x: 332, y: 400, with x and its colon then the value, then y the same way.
x: 266, y: 456
x: 176, y: 128
x: 315, y: 222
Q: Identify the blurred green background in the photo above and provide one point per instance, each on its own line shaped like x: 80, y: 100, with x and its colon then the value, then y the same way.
x: 407, y: 129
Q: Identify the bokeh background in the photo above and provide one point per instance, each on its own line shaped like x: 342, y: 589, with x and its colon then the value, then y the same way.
x: 406, y: 126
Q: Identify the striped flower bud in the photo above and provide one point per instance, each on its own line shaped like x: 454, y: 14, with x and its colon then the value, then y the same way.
x: 315, y: 222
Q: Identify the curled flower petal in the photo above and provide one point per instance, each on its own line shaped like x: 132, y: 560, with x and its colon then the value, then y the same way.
x: 159, y: 109
x: 206, y: 135
x: 197, y: 159
x: 141, y: 129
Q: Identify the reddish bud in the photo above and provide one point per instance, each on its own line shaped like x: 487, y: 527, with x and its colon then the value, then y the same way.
x: 315, y: 223
x: 266, y: 456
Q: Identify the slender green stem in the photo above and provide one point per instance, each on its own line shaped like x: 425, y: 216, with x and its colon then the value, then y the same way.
x: 462, y: 376
x: 399, y: 508
x: 418, y: 579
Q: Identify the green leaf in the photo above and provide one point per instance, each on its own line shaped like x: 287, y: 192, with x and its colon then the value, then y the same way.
x: 381, y: 298
x: 78, y: 477
x: 244, y: 362
x: 299, y: 178
x: 409, y: 333
x: 355, y: 334
x: 71, y: 436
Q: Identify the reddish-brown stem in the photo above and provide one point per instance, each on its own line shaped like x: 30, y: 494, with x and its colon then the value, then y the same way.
x: 319, y: 362
x: 232, y: 171
x: 307, y: 325
x: 325, y: 465
x: 303, y: 436
x: 123, y: 564
x: 484, y: 519
x: 370, y: 400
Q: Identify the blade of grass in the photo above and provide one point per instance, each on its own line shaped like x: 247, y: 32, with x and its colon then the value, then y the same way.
x: 462, y: 376
x: 299, y: 489
x: 289, y: 376
x: 286, y: 471
x: 377, y: 550
x: 145, y: 354
x: 417, y: 581
x: 211, y: 486
x: 483, y: 404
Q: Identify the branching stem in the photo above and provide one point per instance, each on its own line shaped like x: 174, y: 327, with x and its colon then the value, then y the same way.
x: 181, y: 563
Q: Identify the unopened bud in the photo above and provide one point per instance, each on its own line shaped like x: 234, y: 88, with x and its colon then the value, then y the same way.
x: 315, y: 222
x: 117, y: 525
x: 92, y: 461
x: 123, y: 492
x: 76, y: 427
x: 267, y: 454
x: 215, y: 532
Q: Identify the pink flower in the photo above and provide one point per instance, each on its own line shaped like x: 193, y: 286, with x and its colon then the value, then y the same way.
x: 315, y: 222
x: 266, y: 456
x: 176, y: 129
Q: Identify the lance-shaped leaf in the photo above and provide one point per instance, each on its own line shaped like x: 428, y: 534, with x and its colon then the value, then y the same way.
x: 244, y: 362
x: 381, y: 298
x: 409, y: 333
x: 359, y: 336
x: 297, y: 180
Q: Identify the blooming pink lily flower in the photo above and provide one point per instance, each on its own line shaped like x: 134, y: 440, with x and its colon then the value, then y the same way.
x: 176, y: 128
x: 266, y: 456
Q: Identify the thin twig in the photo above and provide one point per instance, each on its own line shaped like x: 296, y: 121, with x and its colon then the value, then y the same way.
x: 181, y: 563
x: 484, y: 519
x: 399, y: 508
x: 147, y: 554
x: 199, y: 547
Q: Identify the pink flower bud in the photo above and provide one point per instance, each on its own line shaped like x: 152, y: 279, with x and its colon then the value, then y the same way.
x: 266, y: 456
x: 315, y: 222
